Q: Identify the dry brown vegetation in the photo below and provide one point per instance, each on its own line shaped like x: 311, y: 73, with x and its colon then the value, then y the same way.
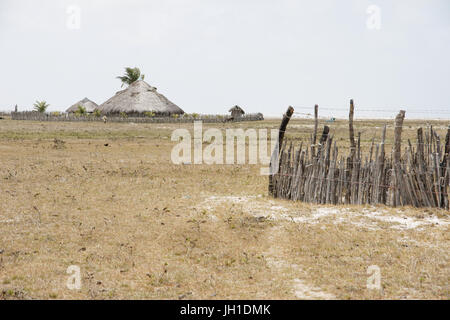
x: 107, y: 198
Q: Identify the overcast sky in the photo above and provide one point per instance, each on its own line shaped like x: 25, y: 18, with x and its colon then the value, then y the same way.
x: 209, y: 55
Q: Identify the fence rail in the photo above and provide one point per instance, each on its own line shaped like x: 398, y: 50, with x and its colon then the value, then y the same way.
x: 37, y: 116
x: 419, y: 176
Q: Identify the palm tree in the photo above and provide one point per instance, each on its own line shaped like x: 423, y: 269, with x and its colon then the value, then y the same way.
x: 40, y: 106
x: 131, y: 75
x: 81, y: 110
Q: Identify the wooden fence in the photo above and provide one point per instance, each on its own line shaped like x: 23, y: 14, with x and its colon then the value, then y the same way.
x: 419, y: 176
x: 37, y: 116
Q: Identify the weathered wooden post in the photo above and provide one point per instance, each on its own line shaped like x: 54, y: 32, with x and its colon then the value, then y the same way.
x: 351, y: 130
x: 324, y: 137
x: 447, y: 146
x: 445, y: 167
x: 378, y: 189
x: 396, y: 171
x: 282, y: 130
x: 355, y: 185
x: 351, y: 158
x: 316, y: 124
x: 398, y: 135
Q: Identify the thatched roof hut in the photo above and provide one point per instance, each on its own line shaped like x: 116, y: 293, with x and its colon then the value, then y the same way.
x: 89, y: 105
x: 236, y: 112
x: 139, y: 97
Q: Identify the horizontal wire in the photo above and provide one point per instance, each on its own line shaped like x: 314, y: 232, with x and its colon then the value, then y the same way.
x: 426, y: 110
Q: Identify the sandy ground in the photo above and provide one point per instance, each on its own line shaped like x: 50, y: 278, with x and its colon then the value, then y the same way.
x: 371, y: 218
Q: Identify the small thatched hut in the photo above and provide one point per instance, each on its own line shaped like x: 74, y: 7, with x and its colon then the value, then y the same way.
x: 139, y: 98
x: 236, y: 112
x: 89, y: 105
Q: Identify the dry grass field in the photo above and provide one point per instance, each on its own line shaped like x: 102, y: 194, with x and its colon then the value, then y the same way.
x: 107, y: 198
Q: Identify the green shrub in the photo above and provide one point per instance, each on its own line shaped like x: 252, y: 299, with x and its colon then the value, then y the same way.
x: 81, y: 111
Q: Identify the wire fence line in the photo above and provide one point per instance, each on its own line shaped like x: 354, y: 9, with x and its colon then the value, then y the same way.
x: 426, y: 110
x: 375, y: 113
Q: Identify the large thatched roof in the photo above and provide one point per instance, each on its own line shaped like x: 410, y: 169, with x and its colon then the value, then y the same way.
x: 89, y: 105
x: 139, y: 97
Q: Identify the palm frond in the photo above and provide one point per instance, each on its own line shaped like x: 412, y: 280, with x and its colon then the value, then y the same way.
x: 131, y: 75
x: 40, y: 106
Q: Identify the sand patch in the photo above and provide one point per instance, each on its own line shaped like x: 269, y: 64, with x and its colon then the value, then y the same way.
x: 372, y: 218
